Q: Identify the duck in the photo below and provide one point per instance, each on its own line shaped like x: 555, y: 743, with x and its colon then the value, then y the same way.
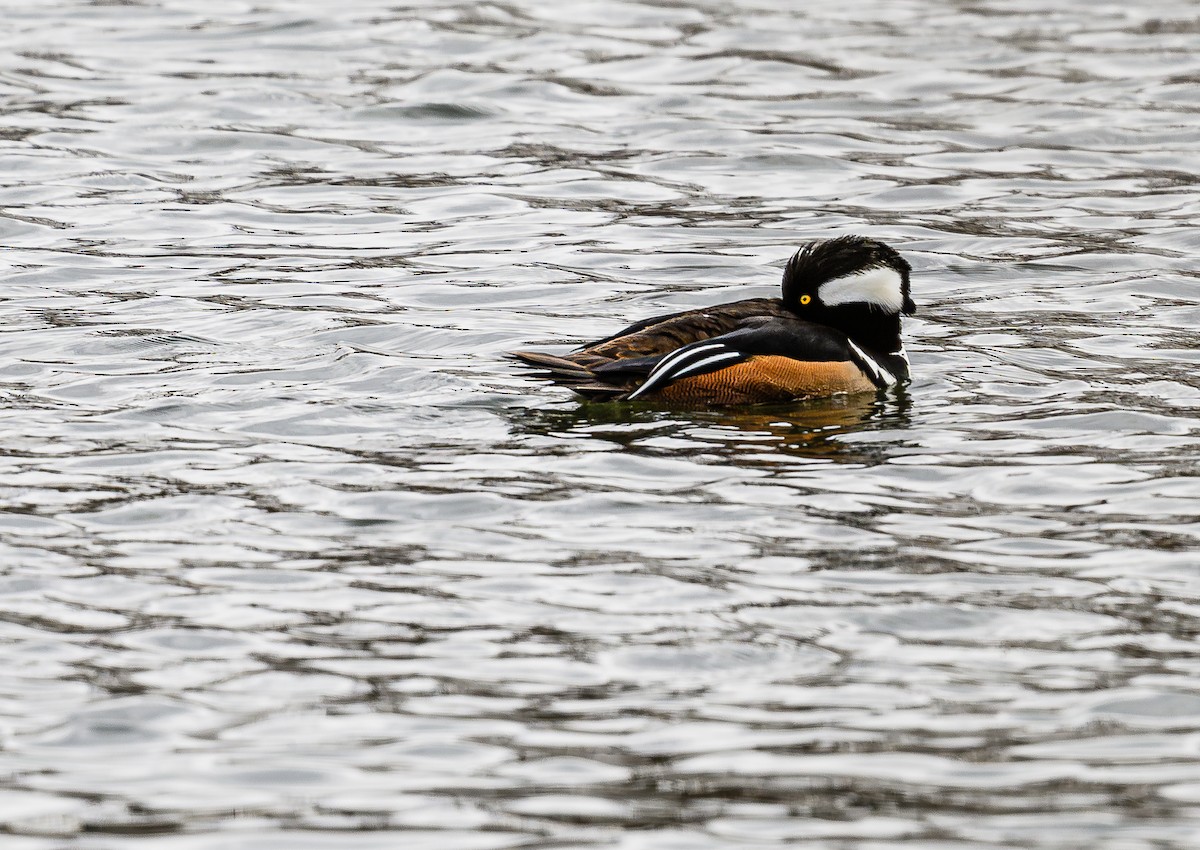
x: 835, y: 329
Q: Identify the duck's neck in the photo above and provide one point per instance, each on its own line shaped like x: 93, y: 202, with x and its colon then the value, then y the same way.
x: 868, y: 327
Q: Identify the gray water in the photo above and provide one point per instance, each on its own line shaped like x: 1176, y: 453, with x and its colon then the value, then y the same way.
x: 290, y: 557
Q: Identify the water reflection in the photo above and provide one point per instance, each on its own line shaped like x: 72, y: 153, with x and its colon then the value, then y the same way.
x: 808, y: 430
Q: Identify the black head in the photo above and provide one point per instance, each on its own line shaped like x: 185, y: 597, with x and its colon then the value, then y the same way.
x: 832, y: 275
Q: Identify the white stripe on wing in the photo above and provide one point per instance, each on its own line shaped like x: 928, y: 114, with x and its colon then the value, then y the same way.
x: 707, y: 361
x: 685, y: 357
x: 878, y: 372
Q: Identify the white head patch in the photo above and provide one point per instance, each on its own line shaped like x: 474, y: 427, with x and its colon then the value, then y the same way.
x: 879, y: 287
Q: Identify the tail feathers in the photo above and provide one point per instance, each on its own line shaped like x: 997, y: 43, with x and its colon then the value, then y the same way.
x: 557, y: 365
x: 575, y: 376
x: 596, y: 391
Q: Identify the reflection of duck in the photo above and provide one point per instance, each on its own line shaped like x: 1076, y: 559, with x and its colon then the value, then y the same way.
x: 836, y: 329
x: 812, y: 429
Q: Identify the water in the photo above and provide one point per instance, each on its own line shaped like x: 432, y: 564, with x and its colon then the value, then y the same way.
x: 291, y: 558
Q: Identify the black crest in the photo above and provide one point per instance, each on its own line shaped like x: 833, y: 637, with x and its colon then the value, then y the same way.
x: 828, y: 259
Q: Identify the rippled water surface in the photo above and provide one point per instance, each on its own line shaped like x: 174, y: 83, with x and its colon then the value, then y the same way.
x: 291, y: 558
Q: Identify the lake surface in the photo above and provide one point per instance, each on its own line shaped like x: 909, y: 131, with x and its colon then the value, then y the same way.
x: 292, y: 559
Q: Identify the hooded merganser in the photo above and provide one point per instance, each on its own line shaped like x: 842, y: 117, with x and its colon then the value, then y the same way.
x: 836, y: 329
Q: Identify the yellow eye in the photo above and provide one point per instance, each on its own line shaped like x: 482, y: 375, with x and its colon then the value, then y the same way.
x: 804, y: 299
